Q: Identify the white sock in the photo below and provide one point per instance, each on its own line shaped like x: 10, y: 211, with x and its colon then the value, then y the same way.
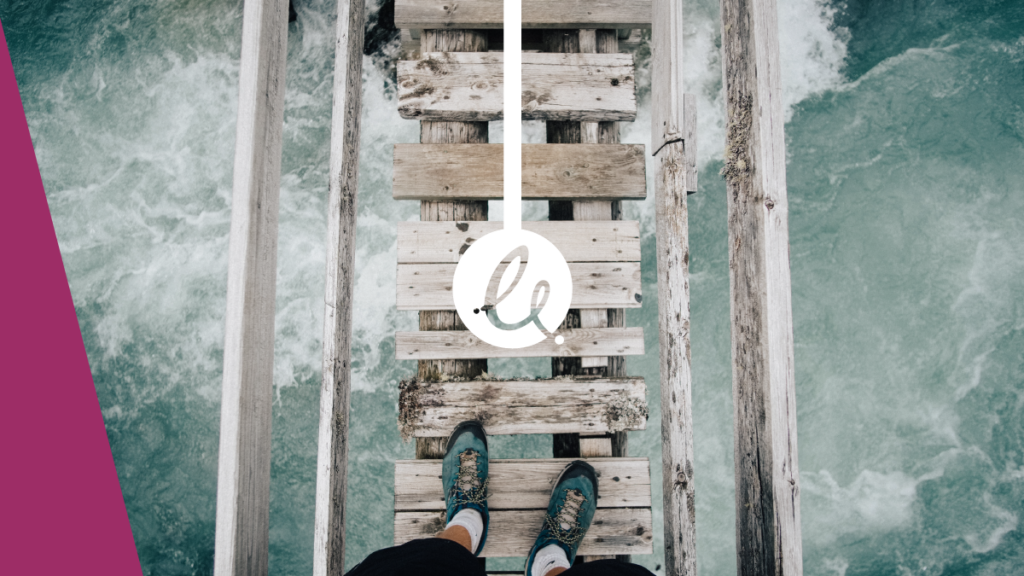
x: 472, y: 521
x: 548, y: 557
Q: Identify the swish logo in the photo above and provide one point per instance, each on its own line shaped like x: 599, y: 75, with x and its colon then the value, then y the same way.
x: 528, y: 302
x: 534, y: 291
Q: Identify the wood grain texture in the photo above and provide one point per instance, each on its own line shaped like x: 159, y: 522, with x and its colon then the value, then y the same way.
x: 463, y: 344
x: 449, y: 133
x: 674, y: 340
x: 598, y: 241
x: 595, y: 285
x: 474, y: 172
x: 336, y: 383
x: 525, y: 484
x: 243, y: 468
x: 554, y: 406
x: 513, y: 532
x: 468, y: 87
x: 767, y: 475
x: 487, y: 14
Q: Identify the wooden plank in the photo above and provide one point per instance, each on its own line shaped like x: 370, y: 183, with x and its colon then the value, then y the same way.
x: 444, y: 242
x: 768, y: 539
x: 555, y: 406
x: 513, y: 532
x: 525, y: 484
x: 488, y: 14
x: 550, y: 171
x: 336, y: 381
x: 595, y: 285
x: 243, y: 469
x: 463, y: 344
x: 468, y: 87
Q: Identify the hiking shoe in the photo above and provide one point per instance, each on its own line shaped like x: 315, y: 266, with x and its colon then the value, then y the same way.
x: 570, y: 511
x: 464, y: 473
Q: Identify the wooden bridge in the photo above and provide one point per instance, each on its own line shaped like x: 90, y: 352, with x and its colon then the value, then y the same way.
x: 578, y: 80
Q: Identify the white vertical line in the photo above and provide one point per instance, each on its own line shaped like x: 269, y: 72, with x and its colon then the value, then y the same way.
x: 513, y: 112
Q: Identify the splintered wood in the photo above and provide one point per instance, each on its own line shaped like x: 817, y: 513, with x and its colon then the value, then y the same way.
x: 468, y: 87
x: 555, y: 406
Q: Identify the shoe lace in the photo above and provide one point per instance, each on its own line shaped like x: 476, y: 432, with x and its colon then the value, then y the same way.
x: 468, y: 488
x: 565, y: 524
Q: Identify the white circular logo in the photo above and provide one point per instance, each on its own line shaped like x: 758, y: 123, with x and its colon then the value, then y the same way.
x: 531, y: 296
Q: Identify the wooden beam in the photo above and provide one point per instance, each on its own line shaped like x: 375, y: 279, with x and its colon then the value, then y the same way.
x: 768, y: 540
x: 525, y: 483
x: 444, y: 210
x: 336, y: 381
x: 243, y: 469
x: 595, y: 285
x: 673, y: 142
x: 463, y: 344
x: 468, y: 87
x: 474, y: 172
x: 437, y: 242
x: 513, y: 532
x: 487, y: 14
x: 555, y: 406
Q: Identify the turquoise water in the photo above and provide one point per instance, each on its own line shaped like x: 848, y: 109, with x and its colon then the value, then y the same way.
x: 906, y: 184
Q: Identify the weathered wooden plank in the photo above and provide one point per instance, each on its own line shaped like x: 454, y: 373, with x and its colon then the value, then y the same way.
x: 513, y: 532
x: 555, y: 406
x: 469, y: 87
x: 336, y: 382
x: 437, y: 242
x: 243, y: 468
x: 768, y: 539
x: 488, y: 14
x: 525, y: 484
x: 595, y: 285
x: 463, y: 344
x: 674, y: 339
x: 550, y: 171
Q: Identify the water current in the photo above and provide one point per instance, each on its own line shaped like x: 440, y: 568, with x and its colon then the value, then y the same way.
x: 906, y: 186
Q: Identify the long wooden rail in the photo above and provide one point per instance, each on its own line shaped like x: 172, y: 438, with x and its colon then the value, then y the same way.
x: 764, y: 392
x: 243, y: 468
x: 336, y: 384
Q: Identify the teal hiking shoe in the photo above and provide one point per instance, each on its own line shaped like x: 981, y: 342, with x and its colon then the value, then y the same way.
x: 464, y: 473
x: 570, y: 511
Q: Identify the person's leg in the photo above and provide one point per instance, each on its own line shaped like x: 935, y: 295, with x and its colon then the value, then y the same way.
x: 464, y: 477
x: 424, y: 557
x: 570, y: 512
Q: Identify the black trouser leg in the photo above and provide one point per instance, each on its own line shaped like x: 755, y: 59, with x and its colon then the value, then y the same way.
x: 426, y: 557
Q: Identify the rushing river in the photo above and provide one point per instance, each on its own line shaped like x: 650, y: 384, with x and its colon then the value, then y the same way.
x: 906, y: 186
